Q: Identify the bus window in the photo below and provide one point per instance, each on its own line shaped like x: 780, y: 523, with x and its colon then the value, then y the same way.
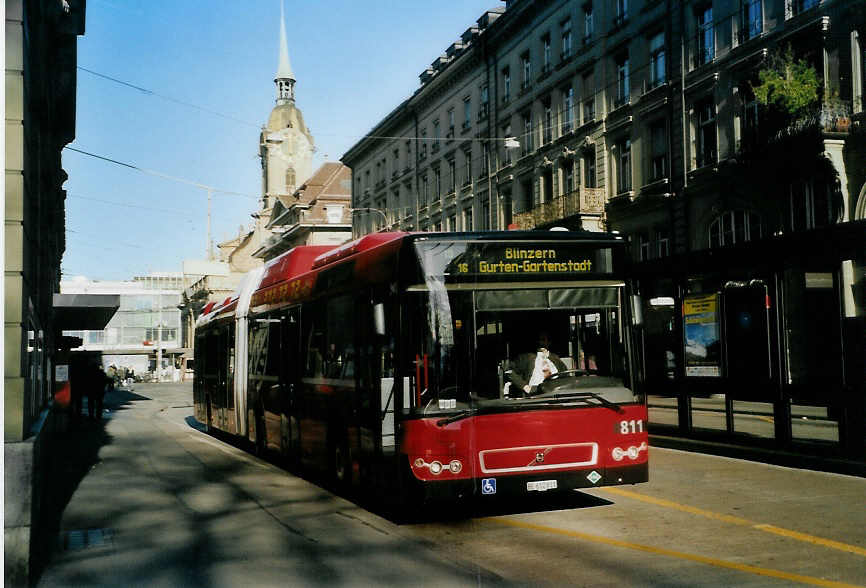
x: 471, y: 346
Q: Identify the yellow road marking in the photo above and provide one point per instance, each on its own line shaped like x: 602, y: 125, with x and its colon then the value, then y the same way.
x: 738, y: 521
x: 670, y: 553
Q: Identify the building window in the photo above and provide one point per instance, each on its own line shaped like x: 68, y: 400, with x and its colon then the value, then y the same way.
x: 751, y: 20
x: 565, y: 32
x: 746, y: 121
x: 644, y: 247
x: 622, y: 81
x: 621, y: 16
x: 436, y: 136
x: 567, y: 109
x: 657, y: 60
x: 485, y: 211
x: 706, y: 37
x: 506, y: 85
x: 425, y: 191
x: 623, y: 166
x: 663, y: 240
x: 506, y: 132
x: 334, y: 214
x: 437, y: 184
x: 485, y: 103
x: 450, y: 133
x: 526, y: 143
x: 547, y: 130
x: 545, y: 52
x: 588, y: 26
x: 467, y: 113
x: 567, y: 177
x: 467, y: 219
x: 467, y: 166
x: 485, y: 162
x: 734, y: 226
x: 290, y: 178
x: 809, y: 205
x: 452, y: 176
x: 795, y: 7
x: 589, y: 176
x: 408, y: 153
x: 422, y: 155
x: 527, y: 70
x: 659, y: 154
x: 588, y: 98
x: 705, y: 141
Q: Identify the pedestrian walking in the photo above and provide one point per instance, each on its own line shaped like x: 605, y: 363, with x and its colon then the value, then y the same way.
x: 96, y: 389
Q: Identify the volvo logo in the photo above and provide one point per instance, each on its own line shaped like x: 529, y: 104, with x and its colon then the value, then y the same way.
x: 539, y: 457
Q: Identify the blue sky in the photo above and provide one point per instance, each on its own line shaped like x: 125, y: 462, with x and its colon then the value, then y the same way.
x: 354, y: 61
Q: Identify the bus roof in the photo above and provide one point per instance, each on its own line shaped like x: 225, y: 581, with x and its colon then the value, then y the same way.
x: 292, y: 276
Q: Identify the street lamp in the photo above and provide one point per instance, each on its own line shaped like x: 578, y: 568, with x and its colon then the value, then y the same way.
x: 510, y: 143
x: 367, y: 209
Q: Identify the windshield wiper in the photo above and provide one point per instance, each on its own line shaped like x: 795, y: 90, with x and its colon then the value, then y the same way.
x: 464, y: 414
x: 585, y: 395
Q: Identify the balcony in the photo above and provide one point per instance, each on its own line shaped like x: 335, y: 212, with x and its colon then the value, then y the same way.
x: 581, y: 201
x: 621, y: 100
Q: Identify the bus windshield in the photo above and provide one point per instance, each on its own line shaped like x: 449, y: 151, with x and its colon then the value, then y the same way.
x: 500, y: 343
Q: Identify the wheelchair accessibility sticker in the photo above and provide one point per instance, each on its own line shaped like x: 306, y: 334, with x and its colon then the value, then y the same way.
x: 488, y: 486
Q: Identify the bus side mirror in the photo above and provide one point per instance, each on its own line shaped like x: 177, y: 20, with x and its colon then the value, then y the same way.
x: 379, y: 318
x: 636, y: 310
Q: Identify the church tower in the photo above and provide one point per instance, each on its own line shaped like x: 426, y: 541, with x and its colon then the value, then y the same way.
x: 285, y: 144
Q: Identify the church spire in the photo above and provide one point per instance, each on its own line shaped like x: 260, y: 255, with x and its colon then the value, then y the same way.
x: 285, y: 79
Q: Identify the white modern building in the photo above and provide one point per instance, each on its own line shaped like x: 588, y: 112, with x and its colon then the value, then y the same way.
x: 146, y: 328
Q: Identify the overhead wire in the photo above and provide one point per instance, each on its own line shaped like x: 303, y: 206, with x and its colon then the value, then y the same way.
x: 169, y: 98
x: 186, y: 213
x: 161, y: 174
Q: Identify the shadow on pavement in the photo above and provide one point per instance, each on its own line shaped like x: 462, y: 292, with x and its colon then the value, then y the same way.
x: 72, y: 455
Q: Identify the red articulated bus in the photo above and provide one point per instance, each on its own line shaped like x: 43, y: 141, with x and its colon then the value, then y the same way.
x: 435, y: 365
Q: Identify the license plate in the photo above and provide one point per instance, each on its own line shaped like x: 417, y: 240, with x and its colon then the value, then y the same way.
x: 541, y: 485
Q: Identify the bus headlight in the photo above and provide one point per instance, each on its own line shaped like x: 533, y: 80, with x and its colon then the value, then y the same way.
x: 632, y: 452
x: 455, y: 466
x: 436, y: 468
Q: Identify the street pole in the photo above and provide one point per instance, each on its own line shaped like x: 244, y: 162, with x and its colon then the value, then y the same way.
x: 159, y: 341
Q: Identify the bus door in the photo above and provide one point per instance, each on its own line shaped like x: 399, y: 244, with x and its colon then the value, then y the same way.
x: 228, y: 338
x: 290, y: 379
x: 379, y: 390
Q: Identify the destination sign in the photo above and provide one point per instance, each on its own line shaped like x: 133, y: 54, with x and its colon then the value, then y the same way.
x: 472, y: 260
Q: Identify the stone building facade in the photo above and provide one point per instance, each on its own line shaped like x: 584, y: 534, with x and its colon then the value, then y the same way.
x: 317, y: 213
x: 41, y: 48
x: 641, y: 117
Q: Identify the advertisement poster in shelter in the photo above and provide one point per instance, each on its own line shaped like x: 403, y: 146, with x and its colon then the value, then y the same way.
x: 701, y: 333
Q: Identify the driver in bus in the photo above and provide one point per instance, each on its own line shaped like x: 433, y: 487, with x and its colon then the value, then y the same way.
x: 534, y: 367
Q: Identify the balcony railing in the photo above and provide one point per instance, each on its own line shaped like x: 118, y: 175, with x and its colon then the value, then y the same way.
x: 581, y: 201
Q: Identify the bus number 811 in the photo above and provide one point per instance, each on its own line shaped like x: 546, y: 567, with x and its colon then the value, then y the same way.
x: 630, y: 427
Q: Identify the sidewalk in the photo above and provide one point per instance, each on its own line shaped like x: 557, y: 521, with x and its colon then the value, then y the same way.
x: 143, y: 498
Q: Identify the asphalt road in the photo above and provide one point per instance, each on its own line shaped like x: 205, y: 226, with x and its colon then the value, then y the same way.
x: 166, y: 504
